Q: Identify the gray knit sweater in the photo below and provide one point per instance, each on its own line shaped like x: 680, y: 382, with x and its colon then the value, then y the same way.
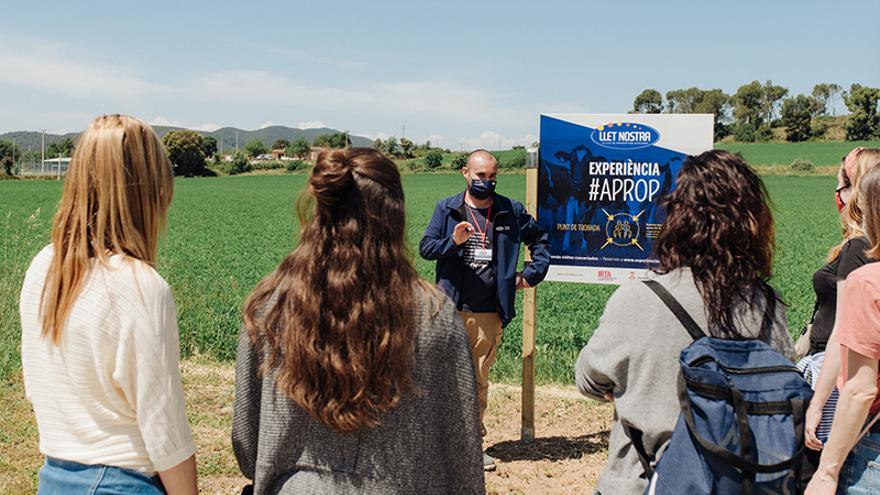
x: 429, y: 443
x: 634, y: 354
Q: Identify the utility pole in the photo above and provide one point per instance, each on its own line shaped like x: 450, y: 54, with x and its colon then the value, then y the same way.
x: 13, y: 152
x: 43, y: 153
x: 221, y: 146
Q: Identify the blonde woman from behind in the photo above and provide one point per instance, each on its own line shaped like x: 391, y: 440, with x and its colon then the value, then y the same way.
x: 99, y: 330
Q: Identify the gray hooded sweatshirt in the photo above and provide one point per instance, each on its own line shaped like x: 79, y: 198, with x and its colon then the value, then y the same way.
x: 634, y: 355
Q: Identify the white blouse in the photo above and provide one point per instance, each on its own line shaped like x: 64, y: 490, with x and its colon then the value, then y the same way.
x: 109, y: 392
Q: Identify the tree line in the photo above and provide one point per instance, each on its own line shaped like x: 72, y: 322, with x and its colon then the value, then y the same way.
x: 755, y: 109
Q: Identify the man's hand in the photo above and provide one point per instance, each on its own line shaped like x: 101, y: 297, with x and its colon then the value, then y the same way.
x: 462, y: 233
x: 521, y: 282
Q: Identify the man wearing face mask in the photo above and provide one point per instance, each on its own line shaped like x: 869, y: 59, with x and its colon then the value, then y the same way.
x: 475, y: 238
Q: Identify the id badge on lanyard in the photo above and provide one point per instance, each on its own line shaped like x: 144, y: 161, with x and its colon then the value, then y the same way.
x: 484, y: 252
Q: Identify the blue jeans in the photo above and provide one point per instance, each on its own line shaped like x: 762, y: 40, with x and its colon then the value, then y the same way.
x: 59, y: 477
x: 861, y: 471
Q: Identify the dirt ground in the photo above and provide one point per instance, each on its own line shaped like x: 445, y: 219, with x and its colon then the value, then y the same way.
x: 566, y: 456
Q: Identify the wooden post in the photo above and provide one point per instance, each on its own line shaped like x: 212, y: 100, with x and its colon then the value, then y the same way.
x: 529, y: 312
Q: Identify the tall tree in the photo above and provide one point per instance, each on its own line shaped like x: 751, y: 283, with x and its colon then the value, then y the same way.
x: 280, y: 144
x: 772, y: 100
x: 63, y: 148
x: 209, y: 146
x: 406, y: 148
x: 648, y: 101
x: 391, y: 147
x: 683, y: 100
x: 864, y: 121
x: 185, y: 152
x: 797, y: 115
x: 255, y: 148
x: 335, y: 140
x: 716, y: 102
x: 825, y: 93
x: 7, y: 152
x: 299, y: 148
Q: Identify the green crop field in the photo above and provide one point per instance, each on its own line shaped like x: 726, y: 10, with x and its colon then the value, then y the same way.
x: 821, y: 153
x: 226, y: 233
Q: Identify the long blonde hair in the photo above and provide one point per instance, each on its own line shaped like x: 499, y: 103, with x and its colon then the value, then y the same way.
x: 870, y: 189
x: 116, y: 197
x: 851, y: 216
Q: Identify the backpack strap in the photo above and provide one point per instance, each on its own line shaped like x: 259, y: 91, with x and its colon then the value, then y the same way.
x: 695, y: 332
x: 683, y: 316
x: 635, y: 436
x: 770, y: 313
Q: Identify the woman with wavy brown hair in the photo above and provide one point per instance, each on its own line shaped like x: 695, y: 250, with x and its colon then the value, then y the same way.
x: 354, y: 374
x: 715, y: 254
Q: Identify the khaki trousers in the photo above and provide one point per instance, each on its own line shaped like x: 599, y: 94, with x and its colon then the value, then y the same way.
x: 484, y: 330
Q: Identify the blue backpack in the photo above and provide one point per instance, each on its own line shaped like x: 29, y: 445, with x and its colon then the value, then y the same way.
x: 741, y: 428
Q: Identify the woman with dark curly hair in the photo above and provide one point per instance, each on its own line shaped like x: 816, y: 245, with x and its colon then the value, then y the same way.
x: 354, y: 374
x: 715, y: 254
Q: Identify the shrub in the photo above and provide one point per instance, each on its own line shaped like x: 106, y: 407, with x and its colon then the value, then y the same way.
x: 459, y: 160
x: 801, y: 165
x: 240, y: 164
x: 294, y: 165
x: 515, y: 159
x: 433, y: 159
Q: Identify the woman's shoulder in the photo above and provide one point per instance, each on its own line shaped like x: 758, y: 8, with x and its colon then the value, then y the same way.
x: 41, y: 262
x: 859, y: 242
x: 866, y: 275
x: 438, y: 322
x: 125, y: 273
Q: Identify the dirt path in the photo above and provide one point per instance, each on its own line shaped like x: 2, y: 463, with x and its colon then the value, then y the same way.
x: 566, y: 457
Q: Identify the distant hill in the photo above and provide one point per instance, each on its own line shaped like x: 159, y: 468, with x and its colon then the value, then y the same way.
x: 268, y: 135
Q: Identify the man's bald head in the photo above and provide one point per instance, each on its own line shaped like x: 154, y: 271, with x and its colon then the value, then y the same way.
x: 480, y: 165
x: 480, y: 157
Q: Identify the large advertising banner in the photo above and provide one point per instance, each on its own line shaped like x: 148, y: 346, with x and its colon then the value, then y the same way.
x: 600, y: 180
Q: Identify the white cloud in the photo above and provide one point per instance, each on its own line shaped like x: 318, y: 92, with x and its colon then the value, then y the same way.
x: 311, y: 124
x: 266, y: 124
x: 492, y: 140
x: 428, y: 99
x: 162, y: 121
x: 439, y: 140
x: 207, y: 127
x: 313, y: 58
x: 48, y: 67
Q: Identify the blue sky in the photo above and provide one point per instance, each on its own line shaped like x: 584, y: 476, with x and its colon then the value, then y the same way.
x: 466, y: 74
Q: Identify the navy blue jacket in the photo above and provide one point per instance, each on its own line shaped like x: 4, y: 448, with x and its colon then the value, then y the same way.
x: 512, y: 225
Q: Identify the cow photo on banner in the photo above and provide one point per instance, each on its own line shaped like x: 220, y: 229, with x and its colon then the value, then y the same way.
x: 601, y: 178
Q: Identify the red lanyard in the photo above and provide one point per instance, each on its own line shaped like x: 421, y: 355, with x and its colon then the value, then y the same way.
x: 477, y: 226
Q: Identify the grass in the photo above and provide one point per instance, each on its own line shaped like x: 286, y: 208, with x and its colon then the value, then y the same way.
x: 226, y: 233
x: 566, y: 458
x: 821, y: 153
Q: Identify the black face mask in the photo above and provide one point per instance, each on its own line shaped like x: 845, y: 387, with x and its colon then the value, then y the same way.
x: 482, y: 189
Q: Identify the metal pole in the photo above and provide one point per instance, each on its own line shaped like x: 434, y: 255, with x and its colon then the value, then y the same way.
x: 529, y: 313
x: 43, y: 153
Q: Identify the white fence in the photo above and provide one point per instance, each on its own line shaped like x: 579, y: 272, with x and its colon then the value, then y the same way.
x: 52, y: 167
